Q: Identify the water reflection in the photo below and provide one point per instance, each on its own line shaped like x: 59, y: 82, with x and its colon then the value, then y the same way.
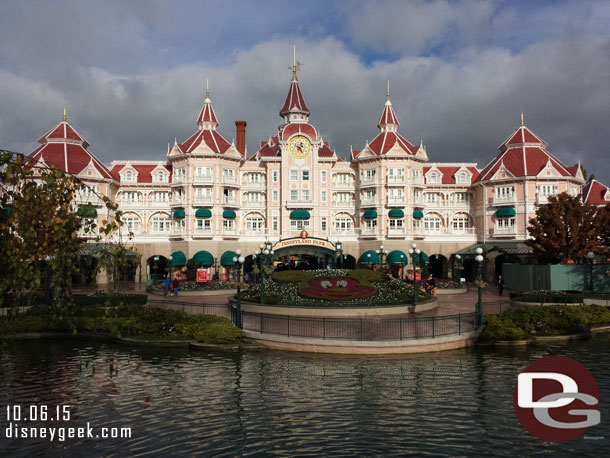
x: 280, y: 403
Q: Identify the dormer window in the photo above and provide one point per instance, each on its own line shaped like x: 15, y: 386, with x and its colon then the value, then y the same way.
x: 433, y: 178
x: 463, y: 178
x: 129, y: 176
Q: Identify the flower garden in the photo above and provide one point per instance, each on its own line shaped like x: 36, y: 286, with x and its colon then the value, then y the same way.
x: 334, y: 287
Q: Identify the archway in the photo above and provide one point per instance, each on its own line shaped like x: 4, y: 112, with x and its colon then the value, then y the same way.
x: 156, y: 267
x: 438, y: 266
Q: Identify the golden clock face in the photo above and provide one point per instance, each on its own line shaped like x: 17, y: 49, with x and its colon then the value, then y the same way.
x: 299, y: 147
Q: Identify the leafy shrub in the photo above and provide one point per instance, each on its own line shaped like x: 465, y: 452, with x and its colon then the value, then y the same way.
x: 221, y: 332
x: 104, y: 299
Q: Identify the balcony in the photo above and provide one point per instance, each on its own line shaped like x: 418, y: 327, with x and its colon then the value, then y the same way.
x: 504, y: 200
x: 178, y: 180
x: 396, y: 201
x: 203, y: 232
x: 398, y: 180
x: 177, y: 201
x: 230, y: 232
x: 131, y: 203
x: 417, y: 181
x: 254, y: 184
x: 203, y: 200
x: 299, y: 204
x: 343, y: 204
x: 418, y: 202
x: 543, y: 199
x: 510, y: 231
x: 230, y: 180
x: 369, y: 232
x: 444, y: 231
x: 177, y: 232
x: 343, y: 185
x: 397, y: 232
x: 203, y: 179
x: 230, y: 201
x: 368, y: 202
x: 342, y: 233
x: 254, y: 204
x: 368, y: 181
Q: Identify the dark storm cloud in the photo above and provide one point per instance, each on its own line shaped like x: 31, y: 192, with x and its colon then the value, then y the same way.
x: 133, y: 78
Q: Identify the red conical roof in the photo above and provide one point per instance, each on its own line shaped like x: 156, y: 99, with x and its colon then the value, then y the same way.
x: 388, y: 116
x: 294, y: 100
x: 207, y: 115
x: 62, y: 147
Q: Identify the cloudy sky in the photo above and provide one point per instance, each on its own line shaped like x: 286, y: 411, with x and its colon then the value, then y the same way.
x: 132, y: 72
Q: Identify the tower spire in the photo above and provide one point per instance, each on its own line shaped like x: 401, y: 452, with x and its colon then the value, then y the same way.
x: 295, y: 64
x: 388, y: 93
x: 65, y: 118
x: 207, y: 89
x: 522, y: 123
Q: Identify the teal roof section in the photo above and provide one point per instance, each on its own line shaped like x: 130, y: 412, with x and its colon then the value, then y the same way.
x: 394, y: 258
x: 203, y: 213
x: 366, y: 259
x: 228, y: 214
x: 299, y: 214
x: 418, y: 214
x: 203, y: 258
x: 178, y: 259
x: 396, y: 213
x: 227, y: 258
x: 179, y: 214
x: 370, y: 214
x: 505, y: 211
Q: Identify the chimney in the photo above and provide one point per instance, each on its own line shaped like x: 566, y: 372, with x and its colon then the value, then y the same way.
x: 240, y: 127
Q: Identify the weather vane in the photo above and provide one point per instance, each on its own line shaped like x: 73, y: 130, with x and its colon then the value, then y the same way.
x: 295, y: 65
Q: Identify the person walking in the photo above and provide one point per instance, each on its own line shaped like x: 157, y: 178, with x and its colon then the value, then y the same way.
x: 166, y: 283
x: 500, y: 284
x: 176, y: 285
x: 432, y: 285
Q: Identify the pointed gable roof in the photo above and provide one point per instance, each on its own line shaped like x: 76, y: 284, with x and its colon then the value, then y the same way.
x: 524, y: 154
x: 388, y: 116
x: 62, y: 147
x: 595, y: 193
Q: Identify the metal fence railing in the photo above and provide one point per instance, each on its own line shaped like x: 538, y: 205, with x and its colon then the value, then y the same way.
x: 496, y: 307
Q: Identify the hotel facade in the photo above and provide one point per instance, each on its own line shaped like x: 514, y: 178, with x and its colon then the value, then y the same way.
x: 208, y: 197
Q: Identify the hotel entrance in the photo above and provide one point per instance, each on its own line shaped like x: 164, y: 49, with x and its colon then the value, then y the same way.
x: 305, y: 253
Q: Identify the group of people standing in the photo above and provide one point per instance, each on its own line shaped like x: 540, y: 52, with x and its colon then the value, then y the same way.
x: 171, y: 286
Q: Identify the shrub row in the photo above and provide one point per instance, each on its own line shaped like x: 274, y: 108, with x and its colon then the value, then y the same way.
x: 127, y: 321
x: 518, y: 324
x: 104, y: 299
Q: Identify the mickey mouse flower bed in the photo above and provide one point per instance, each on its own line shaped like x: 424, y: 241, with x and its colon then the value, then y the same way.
x: 331, y: 288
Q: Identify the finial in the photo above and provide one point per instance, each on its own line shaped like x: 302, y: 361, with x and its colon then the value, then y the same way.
x: 522, y: 123
x: 65, y: 118
x: 207, y: 89
x: 295, y: 65
x: 388, y: 93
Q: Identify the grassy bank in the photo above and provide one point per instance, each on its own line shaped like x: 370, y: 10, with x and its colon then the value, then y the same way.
x: 126, y: 320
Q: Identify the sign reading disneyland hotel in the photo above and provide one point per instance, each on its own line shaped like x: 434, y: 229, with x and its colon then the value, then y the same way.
x: 210, y: 196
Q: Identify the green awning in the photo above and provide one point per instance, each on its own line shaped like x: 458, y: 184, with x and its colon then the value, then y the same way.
x: 299, y: 214
x: 228, y: 214
x: 394, y: 258
x: 179, y: 214
x: 418, y: 214
x: 505, y: 211
x: 203, y: 258
x: 424, y: 256
x: 366, y: 259
x: 227, y: 258
x: 370, y: 214
x: 178, y: 259
x: 396, y: 213
x: 87, y: 212
x: 203, y: 213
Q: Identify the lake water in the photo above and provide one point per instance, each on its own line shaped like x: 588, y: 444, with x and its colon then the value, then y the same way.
x: 261, y: 403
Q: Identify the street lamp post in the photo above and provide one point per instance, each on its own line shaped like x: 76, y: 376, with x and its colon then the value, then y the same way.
x: 239, y: 261
x: 264, y: 258
x: 339, y: 247
x: 382, y: 254
x: 414, y: 252
x: 402, y: 266
x: 170, y: 266
x: 590, y: 256
x: 479, y: 259
x: 459, y: 270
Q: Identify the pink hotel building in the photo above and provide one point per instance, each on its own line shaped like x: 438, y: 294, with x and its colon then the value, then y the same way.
x: 208, y: 197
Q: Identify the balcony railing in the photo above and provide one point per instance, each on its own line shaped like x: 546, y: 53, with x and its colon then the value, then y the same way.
x: 177, y: 231
x: 396, y: 180
x: 206, y: 231
x: 230, y: 232
x: 230, y: 179
x: 397, y: 201
x: 369, y: 231
x: 254, y: 184
x: 444, y: 231
x: 368, y: 202
x: 203, y: 179
x: 203, y: 199
x: 177, y: 179
x: 543, y: 199
x: 505, y: 230
x: 254, y: 204
x: 418, y: 181
x: 299, y: 204
x: 343, y: 185
x: 343, y: 204
x: 397, y: 232
x: 504, y: 200
x: 230, y: 201
x: 367, y: 181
